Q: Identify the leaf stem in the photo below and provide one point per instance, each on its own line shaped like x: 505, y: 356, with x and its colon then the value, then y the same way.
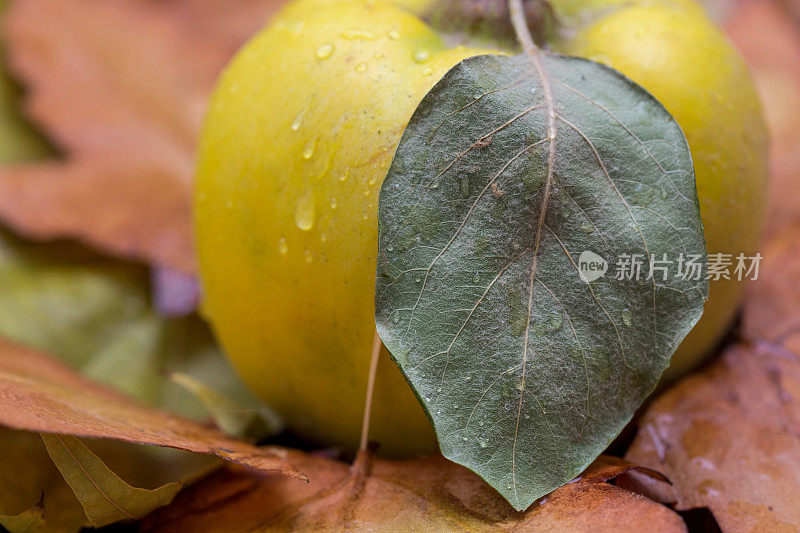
x: 520, y: 24
x: 373, y: 371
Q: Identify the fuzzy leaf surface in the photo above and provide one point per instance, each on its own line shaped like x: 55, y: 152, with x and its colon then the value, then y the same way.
x: 510, y: 171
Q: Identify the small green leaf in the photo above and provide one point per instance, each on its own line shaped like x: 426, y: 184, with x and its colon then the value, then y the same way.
x: 105, y: 497
x: 231, y: 417
x: 510, y: 169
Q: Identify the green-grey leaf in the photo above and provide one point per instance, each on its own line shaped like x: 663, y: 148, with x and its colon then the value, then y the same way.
x: 509, y: 169
x: 105, y: 497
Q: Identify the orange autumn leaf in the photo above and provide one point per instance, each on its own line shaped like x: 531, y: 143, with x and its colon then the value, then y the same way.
x: 38, y: 393
x: 728, y: 439
x: 121, y: 87
x: 428, y: 494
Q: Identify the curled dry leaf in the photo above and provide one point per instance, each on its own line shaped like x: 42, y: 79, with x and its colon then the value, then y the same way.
x: 429, y: 494
x: 39, y: 394
x: 129, y: 139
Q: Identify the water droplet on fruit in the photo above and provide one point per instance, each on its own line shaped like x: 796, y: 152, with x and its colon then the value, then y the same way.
x: 305, y: 211
x: 427, y: 72
x: 322, y: 237
x: 345, y: 174
x: 298, y: 120
x: 358, y: 34
x: 626, y: 317
x: 333, y: 203
x: 308, y: 149
x: 283, y: 248
x: 309, y: 256
x: 325, y: 51
x: 422, y: 55
x: 394, y: 35
x: 361, y: 67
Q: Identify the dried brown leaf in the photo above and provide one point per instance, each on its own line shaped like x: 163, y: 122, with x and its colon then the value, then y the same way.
x: 772, y: 313
x: 126, y: 108
x: 38, y: 393
x: 729, y: 439
x: 428, y: 494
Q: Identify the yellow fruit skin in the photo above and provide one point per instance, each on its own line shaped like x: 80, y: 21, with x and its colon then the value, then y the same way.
x: 673, y: 50
x: 298, y: 139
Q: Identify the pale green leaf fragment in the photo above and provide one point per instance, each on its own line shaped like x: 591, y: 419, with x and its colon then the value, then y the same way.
x: 230, y: 416
x: 26, y: 522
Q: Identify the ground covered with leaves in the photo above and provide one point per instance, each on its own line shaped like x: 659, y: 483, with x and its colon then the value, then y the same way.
x: 116, y: 404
